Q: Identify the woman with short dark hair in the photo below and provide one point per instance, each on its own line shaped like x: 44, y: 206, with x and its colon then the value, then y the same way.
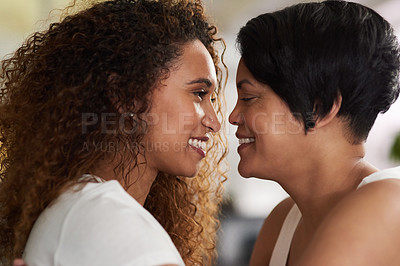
x: 311, y: 81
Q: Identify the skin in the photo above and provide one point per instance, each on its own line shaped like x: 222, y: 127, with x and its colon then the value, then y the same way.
x: 188, y: 90
x: 19, y: 262
x: 320, y: 171
x: 363, y: 229
x: 261, y: 114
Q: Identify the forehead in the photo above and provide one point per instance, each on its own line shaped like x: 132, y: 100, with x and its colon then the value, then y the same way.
x: 193, y: 68
x: 242, y: 71
x: 246, y: 82
x: 195, y: 61
x: 244, y: 77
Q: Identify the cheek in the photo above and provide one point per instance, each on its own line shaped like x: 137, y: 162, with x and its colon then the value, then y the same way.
x: 295, y: 127
x: 259, y: 123
x: 190, y: 117
x: 199, y: 111
x: 182, y: 119
x: 275, y: 123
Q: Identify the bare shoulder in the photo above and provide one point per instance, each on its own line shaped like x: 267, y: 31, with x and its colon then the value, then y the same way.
x: 363, y: 229
x: 269, y: 233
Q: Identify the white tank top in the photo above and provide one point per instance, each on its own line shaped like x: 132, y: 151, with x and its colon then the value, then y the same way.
x: 282, y: 247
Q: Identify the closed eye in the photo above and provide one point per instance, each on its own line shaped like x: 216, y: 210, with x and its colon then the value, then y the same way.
x: 247, y: 99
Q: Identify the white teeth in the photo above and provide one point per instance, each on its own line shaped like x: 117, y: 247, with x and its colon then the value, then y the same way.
x: 198, y: 143
x: 246, y: 140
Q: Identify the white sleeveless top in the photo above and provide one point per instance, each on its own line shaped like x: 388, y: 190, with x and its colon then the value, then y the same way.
x: 282, y: 247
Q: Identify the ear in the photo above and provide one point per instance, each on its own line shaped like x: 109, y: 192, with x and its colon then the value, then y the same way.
x: 332, y: 113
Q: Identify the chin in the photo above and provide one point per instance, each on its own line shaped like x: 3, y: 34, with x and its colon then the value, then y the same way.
x: 245, y: 175
x: 244, y: 172
x: 190, y: 173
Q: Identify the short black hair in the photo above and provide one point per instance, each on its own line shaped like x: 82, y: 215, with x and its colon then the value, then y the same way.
x: 310, y: 53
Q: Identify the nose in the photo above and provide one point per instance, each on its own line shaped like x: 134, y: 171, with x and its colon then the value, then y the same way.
x: 235, y: 117
x: 210, y: 120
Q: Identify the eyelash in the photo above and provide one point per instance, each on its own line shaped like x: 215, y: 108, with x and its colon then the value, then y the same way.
x: 200, y: 94
x: 247, y: 99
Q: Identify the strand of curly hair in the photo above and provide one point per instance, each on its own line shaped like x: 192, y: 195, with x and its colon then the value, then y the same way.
x: 70, y: 70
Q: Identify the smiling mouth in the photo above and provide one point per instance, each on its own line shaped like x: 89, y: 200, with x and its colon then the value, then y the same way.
x: 246, y: 140
x: 198, y: 145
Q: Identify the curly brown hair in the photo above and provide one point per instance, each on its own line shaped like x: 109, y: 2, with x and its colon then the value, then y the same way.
x: 114, y: 51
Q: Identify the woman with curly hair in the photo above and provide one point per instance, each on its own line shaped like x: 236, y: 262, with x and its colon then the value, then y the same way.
x: 104, y: 116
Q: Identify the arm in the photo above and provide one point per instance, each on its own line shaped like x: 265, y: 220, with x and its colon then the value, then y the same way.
x: 363, y: 229
x: 269, y: 233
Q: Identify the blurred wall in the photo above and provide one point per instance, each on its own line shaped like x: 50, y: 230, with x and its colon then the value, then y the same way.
x: 20, y: 18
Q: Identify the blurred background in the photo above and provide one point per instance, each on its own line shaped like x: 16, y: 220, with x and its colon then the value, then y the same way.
x: 248, y: 201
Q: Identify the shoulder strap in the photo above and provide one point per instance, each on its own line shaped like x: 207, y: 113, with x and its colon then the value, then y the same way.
x: 391, y: 173
x: 282, y: 246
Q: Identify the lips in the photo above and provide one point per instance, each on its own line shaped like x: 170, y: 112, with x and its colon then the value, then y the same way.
x: 244, y: 141
x: 199, y: 145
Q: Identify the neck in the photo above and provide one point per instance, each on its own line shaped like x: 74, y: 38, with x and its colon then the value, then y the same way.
x: 334, y: 172
x: 137, y: 183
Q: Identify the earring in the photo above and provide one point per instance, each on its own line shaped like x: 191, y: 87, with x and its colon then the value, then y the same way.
x: 310, y: 124
x: 311, y: 119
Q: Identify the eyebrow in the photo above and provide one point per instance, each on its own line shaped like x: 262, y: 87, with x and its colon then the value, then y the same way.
x: 243, y: 81
x: 205, y: 81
